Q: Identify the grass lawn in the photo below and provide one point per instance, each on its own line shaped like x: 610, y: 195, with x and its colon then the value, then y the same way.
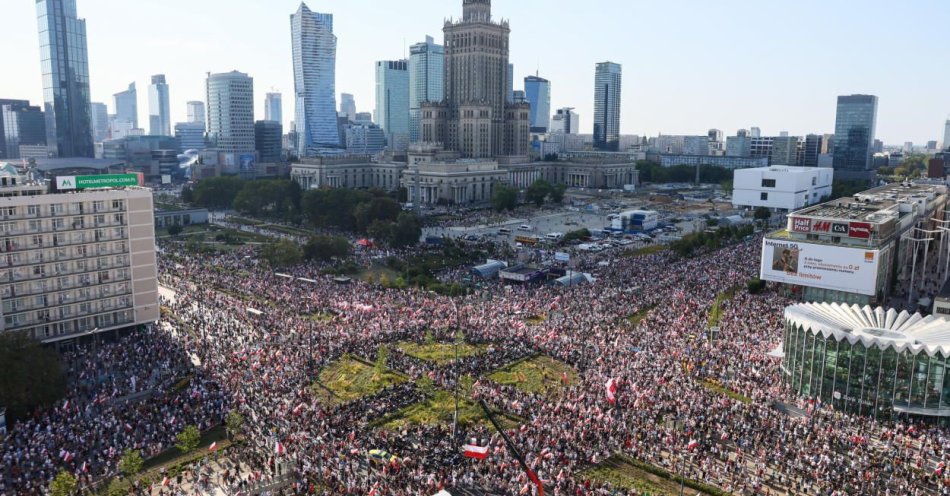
x: 375, y: 274
x: 440, y: 410
x: 349, y: 379
x: 440, y: 353
x: 293, y: 231
x: 244, y: 221
x: 718, y: 388
x: 321, y: 317
x: 541, y: 375
x: 642, y: 314
x: 535, y: 319
x: 632, y: 475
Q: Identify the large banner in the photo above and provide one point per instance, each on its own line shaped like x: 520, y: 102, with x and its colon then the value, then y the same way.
x: 830, y: 267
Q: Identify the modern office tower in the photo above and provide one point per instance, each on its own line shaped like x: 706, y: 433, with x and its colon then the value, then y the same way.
x: 854, y: 136
x: 190, y: 136
x: 4, y: 101
x: 196, y: 111
x: 392, y: 101
x: 268, y: 139
x: 785, y: 150
x: 426, y: 67
x: 537, y: 91
x: 565, y: 121
x: 65, y: 65
x: 348, y: 106
x: 126, y: 106
x: 607, y: 90
x: 511, y: 83
x: 518, y: 96
x: 363, y: 118
x: 273, y: 108
x: 755, y: 132
x: 475, y: 118
x: 814, y: 143
x: 314, y: 51
x: 159, y: 109
x: 946, y: 136
x: 231, y: 112
x: 100, y: 121
x: 76, y: 263
x: 362, y: 139
x: 21, y: 125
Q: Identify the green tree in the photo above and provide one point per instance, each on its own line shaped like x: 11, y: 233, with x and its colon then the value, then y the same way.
x: 283, y: 253
x: 557, y: 193
x: 380, y: 231
x: 117, y: 488
x: 577, y: 235
x: 504, y: 198
x: 31, y: 376
x: 234, y: 423
x: 217, y: 192
x: 762, y: 213
x: 382, y: 356
x: 755, y: 286
x: 188, y: 439
x: 187, y: 194
x: 130, y: 463
x: 175, y: 230
x: 64, y: 484
x: 326, y: 248
x: 538, y: 192
x: 402, y: 195
x: 377, y: 209
x: 406, y: 231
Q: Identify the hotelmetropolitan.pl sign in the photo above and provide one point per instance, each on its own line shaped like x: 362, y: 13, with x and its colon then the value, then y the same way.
x: 100, y: 181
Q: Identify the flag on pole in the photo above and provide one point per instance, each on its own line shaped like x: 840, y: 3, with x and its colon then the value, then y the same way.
x: 475, y: 451
x: 279, y: 449
x: 612, y: 391
x: 85, y: 468
x: 165, y: 481
x: 213, y: 447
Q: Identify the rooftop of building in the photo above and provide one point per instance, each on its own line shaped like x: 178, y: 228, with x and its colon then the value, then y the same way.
x: 791, y: 169
x: 876, y: 205
x: 880, y: 327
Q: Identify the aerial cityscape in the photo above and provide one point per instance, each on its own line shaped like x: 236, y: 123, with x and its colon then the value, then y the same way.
x: 457, y: 275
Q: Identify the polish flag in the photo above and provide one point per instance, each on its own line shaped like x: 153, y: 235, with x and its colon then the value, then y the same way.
x: 66, y: 405
x: 373, y: 491
x: 565, y: 379
x: 475, y: 451
x: 85, y: 468
x: 213, y: 447
x: 279, y: 449
x: 165, y: 482
x: 67, y: 456
x: 940, y: 467
x: 612, y: 391
x: 693, y: 444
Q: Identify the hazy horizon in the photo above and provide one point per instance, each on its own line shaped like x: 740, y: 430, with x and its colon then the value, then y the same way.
x: 687, y: 65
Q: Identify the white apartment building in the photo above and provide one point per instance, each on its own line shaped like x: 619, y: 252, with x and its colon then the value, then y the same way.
x: 77, y: 263
x: 781, y: 188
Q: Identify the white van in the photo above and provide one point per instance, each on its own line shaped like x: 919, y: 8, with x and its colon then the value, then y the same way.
x: 555, y: 236
x: 504, y: 230
x: 525, y: 227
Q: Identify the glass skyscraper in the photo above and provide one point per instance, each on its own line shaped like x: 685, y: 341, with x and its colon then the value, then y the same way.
x: 65, y: 67
x: 538, y: 93
x: 22, y: 124
x: 854, y: 133
x: 231, y: 112
x: 100, y: 121
x: 426, y: 66
x: 126, y: 106
x: 607, y: 83
x: 392, y: 100
x: 159, y: 108
x: 273, y: 108
x: 314, y: 52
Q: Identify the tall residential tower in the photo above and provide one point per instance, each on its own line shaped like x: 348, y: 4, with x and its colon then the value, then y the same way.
x: 607, y: 90
x: 65, y: 65
x: 231, y: 112
x: 314, y: 52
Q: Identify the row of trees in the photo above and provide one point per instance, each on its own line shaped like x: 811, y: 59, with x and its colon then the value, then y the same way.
x: 714, y: 240
x: 31, y: 376
x: 652, y: 172
x: 542, y: 191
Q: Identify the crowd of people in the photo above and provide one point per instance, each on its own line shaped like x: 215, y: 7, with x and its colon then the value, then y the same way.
x: 670, y: 408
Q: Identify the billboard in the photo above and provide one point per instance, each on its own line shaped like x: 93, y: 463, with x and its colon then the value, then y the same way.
x: 859, y: 230
x: 100, y: 181
x: 837, y: 268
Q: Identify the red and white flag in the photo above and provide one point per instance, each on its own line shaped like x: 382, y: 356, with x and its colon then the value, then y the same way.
x: 279, y: 449
x: 373, y: 491
x: 213, y: 447
x: 475, y: 451
x: 66, y: 405
x: 85, y: 468
x: 612, y: 391
x: 693, y: 444
x: 165, y: 482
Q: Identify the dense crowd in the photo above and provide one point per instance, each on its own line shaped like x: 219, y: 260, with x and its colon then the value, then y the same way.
x: 670, y: 372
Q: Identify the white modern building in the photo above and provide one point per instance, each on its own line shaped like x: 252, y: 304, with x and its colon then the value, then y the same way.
x: 79, y: 262
x: 781, y: 188
x: 426, y: 65
x: 231, y: 112
x: 273, y: 107
x: 314, y: 55
x: 565, y: 121
x: 159, y: 107
x: 196, y: 111
x: 392, y: 101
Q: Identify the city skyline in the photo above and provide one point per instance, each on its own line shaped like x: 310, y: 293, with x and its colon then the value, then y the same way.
x: 674, y: 90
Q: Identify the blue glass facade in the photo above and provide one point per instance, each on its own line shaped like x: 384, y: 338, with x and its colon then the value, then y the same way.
x: 314, y: 54
x: 538, y: 93
x: 854, y: 132
x: 607, y: 83
x: 65, y: 67
x: 426, y: 66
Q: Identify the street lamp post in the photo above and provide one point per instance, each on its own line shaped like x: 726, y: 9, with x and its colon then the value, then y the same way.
x: 455, y: 417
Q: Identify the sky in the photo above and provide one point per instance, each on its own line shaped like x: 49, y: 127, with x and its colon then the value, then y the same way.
x: 688, y: 65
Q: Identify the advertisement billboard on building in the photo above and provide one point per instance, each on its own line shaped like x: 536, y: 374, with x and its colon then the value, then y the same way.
x: 100, y: 181
x: 830, y: 267
x: 859, y: 230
